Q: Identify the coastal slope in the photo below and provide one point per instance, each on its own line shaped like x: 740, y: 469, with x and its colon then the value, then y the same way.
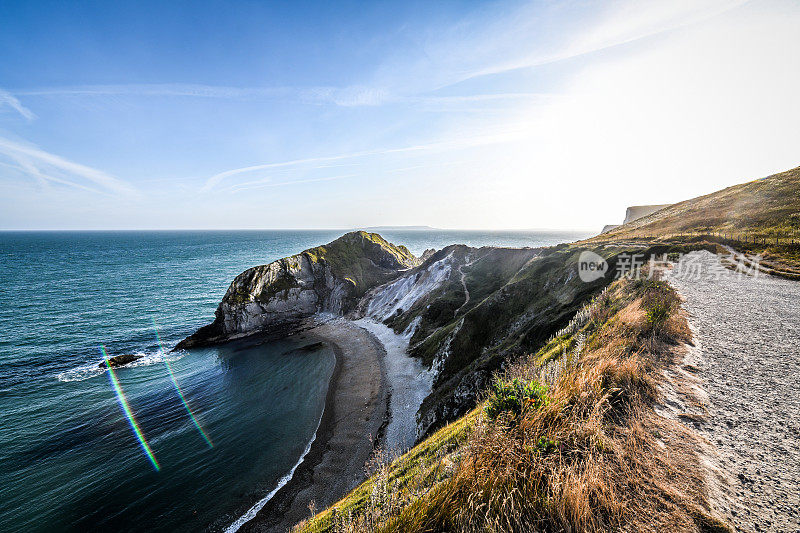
x: 568, y: 440
x: 468, y: 311
x: 611, y: 424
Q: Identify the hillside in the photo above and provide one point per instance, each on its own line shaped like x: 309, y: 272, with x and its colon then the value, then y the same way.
x: 468, y: 311
x: 567, y: 440
x: 764, y: 209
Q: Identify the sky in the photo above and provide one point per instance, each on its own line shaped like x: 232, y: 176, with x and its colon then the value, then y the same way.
x: 496, y: 115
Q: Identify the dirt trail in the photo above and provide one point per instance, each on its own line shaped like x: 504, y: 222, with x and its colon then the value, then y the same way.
x: 748, y: 332
x: 464, y: 284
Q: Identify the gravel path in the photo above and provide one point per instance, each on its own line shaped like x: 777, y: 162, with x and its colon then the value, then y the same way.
x: 748, y: 331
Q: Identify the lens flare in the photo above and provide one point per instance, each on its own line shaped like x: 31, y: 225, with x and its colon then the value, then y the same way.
x: 123, y: 402
x: 180, y: 392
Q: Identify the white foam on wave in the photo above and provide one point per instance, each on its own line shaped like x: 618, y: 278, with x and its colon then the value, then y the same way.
x: 253, y: 511
x: 90, y: 370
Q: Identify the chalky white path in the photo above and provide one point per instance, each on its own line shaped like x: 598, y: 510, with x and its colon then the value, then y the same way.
x: 748, y: 329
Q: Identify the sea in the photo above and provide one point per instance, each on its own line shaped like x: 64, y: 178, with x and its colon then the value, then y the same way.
x: 176, y: 441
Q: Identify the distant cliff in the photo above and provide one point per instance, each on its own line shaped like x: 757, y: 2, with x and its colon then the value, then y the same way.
x: 635, y: 212
x: 609, y: 227
x: 329, y: 278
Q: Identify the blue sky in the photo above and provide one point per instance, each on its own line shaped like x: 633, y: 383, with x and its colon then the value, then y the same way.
x: 336, y: 115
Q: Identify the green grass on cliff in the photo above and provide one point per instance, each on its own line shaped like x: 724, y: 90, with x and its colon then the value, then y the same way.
x: 365, y: 259
x: 425, y: 464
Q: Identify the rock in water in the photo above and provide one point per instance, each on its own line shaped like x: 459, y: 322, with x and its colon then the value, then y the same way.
x: 119, y: 360
x: 329, y: 278
x: 308, y: 348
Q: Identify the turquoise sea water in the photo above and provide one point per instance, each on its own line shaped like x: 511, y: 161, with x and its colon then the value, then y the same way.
x: 70, y: 458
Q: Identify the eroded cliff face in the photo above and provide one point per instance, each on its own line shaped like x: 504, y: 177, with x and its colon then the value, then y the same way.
x: 468, y: 311
x: 280, y: 293
x: 329, y: 278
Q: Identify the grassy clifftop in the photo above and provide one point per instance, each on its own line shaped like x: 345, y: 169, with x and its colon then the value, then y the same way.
x: 566, y: 440
x: 517, y: 300
x: 766, y: 208
x: 363, y: 258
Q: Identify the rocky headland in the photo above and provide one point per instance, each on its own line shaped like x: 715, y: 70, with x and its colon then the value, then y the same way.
x: 279, y: 295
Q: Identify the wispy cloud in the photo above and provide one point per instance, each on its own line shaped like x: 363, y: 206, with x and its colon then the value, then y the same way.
x: 9, y: 100
x: 41, y: 165
x: 348, y: 96
x: 159, y: 89
x: 453, y: 144
x: 489, y: 42
x: 267, y: 182
x: 343, y: 96
x: 45, y: 179
x: 624, y: 22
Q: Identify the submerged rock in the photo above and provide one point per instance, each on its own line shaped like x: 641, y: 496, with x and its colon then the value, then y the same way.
x: 119, y: 360
x: 312, y: 347
x: 308, y: 348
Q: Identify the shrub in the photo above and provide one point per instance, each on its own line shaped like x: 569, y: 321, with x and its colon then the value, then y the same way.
x: 658, y: 312
x: 545, y: 445
x: 659, y: 302
x: 514, y: 396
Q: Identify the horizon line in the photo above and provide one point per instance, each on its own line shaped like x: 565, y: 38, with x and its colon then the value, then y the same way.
x: 346, y: 229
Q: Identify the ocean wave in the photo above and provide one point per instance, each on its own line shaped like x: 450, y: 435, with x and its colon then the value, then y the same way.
x: 253, y: 511
x: 91, y: 370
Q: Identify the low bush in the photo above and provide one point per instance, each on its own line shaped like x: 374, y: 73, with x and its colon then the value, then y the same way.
x: 514, y: 396
x: 660, y: 302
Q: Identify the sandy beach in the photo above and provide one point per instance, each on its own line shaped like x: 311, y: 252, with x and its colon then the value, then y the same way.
x: 355, y: 416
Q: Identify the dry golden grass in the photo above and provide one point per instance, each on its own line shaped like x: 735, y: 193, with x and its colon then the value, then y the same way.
x: 595, y: 457
x: 765, y: 208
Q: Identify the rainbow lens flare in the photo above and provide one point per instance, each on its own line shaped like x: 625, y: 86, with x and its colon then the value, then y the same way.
x: 180, y: 392
x: 123, y: 402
